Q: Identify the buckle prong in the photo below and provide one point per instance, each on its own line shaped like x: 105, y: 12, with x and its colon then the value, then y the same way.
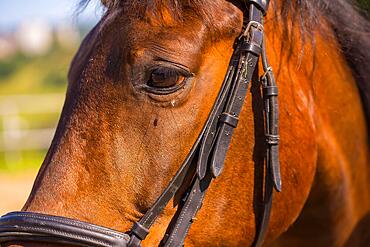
x: 251, y: 24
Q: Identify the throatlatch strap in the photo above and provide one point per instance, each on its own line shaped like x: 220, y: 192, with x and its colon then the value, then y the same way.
x: 270, y: 91
x: 272, y: 177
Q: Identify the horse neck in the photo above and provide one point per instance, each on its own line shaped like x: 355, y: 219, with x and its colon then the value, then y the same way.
x: 319, y: 100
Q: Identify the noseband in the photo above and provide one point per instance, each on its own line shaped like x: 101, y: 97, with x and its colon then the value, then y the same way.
x: 206, y: 157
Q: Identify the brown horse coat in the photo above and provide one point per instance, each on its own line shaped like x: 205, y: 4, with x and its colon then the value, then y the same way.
x: 116, y: 147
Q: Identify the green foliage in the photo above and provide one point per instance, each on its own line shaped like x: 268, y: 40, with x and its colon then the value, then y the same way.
x: 21, y: 74
x: 30, y: 160
x: 10, y: 67
x: 26, y: 75
x: 364, y: 4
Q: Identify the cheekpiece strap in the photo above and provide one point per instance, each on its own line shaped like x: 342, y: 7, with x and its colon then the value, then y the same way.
x: 262, y: 5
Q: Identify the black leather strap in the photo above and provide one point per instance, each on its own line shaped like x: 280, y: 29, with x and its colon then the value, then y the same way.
x: 262, y: 5
x: 231, y: 120
x: 272, y: 177
x: 152, y: 214
x: 247, y: 65
x: 211, y: 131
x: 186, y: 212
x: 29, y: 226
x: 139, y: 231
x: 269, y: 91
x: 272, y: 119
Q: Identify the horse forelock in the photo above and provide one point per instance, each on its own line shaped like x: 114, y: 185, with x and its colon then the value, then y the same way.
x: 167, y: 13
x: 303, y: 13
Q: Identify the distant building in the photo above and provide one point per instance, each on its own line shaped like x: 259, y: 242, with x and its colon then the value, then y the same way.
x: 67, y: 35
x: 34, y: 37
x: 8, y: 46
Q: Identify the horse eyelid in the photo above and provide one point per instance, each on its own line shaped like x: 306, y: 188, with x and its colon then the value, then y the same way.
x: 181, y: 69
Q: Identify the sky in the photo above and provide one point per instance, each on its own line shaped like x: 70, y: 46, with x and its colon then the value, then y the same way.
x: 14, y: 12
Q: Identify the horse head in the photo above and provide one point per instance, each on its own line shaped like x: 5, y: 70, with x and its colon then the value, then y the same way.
x: 141, y: 88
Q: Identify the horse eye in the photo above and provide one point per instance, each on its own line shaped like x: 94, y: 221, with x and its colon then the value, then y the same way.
x: 165, y: 78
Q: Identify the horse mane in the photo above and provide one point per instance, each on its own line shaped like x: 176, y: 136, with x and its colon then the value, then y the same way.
x: 352, y: 29
x: 350, y: 24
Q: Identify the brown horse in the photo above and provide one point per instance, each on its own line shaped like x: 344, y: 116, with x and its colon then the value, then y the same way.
x: 117, y: 147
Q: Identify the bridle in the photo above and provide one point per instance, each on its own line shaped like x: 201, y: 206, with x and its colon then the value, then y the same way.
x: 204, y: 162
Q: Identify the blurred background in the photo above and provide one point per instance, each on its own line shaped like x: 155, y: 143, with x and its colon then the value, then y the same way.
x: 38, y: 39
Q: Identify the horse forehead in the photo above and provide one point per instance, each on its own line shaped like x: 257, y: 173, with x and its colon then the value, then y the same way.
x: 146, y: 31
x: 185, y: 39
x: 181, y: 42
x: 186, y: 23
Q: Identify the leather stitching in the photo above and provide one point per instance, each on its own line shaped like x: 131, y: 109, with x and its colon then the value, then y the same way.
x: 182, y: 217
x: 73, y: 223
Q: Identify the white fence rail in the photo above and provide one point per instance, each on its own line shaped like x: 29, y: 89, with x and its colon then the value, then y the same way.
x: 16, y: 135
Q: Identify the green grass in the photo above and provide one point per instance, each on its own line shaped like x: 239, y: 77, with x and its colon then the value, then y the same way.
x: 28, y: 161
x: 33, y: 75
x: 37, y: 121
x: 364, y: 4
x: 44, y: 74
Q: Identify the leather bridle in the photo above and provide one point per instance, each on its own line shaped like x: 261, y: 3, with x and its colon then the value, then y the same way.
x: 206, y: 158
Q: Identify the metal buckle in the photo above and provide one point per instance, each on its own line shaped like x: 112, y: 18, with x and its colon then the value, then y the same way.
x: 268, y: 69
x: 251, y: 24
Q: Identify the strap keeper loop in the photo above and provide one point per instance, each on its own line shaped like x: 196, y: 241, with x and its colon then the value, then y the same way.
x: 269, y: 91
x: 229, y: 119
x: 252, y: 48
x: 139, y: 231
x: 272, y: 139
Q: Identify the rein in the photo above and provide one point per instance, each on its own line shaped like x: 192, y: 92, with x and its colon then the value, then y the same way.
x: 206, y: 158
